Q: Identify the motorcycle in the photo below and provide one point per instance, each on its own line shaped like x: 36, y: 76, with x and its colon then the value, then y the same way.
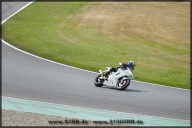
x: 119, y: 77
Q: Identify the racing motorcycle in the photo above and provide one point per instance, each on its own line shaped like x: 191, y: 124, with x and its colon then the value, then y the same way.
x: 119, y: 77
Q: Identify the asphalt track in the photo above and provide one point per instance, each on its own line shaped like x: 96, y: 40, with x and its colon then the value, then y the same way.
x: 28, y: 77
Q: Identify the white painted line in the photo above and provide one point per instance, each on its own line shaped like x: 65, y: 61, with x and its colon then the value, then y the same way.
x: 16, y: 12
x: 44, y: 58
x: 161, y: 85
x: 74, y: 68
x: 80, y: 68
x: 93, y: 108
x: 65, y: 64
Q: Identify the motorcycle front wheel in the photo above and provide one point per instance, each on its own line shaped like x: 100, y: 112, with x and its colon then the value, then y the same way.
x: 98, y: 82
x: 123, y: 84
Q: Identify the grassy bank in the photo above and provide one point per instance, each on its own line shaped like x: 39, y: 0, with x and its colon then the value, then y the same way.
x: 91, y: 36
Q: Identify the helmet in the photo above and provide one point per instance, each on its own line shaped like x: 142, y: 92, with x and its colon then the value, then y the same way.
x: 131, y: 65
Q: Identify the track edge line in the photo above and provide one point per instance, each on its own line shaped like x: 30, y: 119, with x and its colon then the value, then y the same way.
x: 8, y: 44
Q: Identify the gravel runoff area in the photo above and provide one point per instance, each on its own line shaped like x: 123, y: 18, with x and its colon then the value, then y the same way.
x: 15, y: 118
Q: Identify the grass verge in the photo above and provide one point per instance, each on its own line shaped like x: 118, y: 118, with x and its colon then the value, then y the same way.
x: 93, y: 35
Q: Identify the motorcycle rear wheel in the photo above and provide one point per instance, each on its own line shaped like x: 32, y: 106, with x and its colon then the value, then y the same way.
x: 122, y: 85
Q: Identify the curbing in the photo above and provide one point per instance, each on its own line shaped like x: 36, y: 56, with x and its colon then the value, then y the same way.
x: 34, y: 101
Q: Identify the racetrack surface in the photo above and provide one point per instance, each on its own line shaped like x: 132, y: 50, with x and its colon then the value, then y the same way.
x: 28, y: 77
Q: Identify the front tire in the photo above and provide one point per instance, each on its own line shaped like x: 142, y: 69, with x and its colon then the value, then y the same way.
x: 123, y: 84
x: 98, y: 82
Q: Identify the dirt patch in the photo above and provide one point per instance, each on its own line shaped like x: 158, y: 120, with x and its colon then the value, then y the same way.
x: 166, y: 23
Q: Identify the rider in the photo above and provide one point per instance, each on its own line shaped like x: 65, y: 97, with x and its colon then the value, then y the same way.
x: 129, y: 64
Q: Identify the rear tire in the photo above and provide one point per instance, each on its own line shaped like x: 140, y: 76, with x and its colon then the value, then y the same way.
x: 98, y: 82
x: 122, y: 85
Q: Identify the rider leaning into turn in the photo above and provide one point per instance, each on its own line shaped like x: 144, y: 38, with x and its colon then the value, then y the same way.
x: 130, y: 65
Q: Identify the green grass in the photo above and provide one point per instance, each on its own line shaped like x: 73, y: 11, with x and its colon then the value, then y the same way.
x: 55, y: 30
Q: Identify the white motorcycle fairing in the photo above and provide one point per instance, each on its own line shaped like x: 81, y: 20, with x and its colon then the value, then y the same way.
x: 115, y: 76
